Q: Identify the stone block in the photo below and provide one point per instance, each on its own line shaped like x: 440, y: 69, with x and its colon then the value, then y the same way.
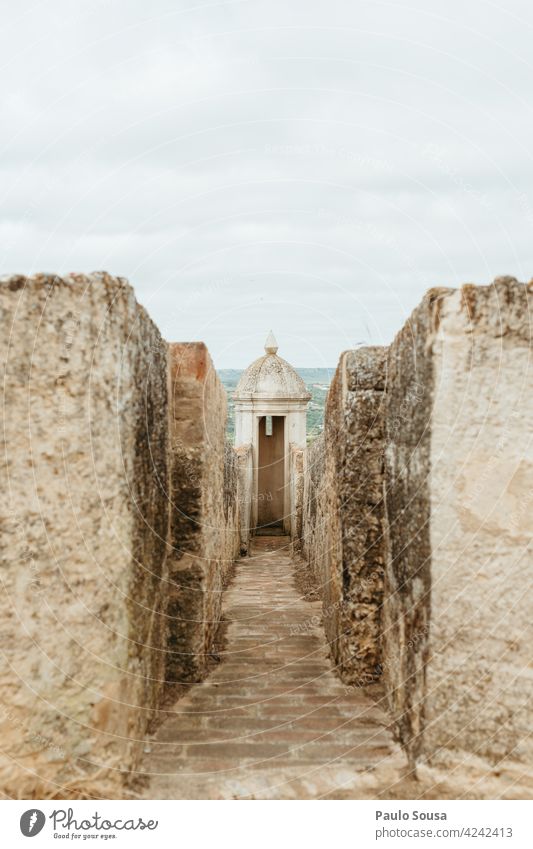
x: 204, y: 512
x: 84, y: 516
x: 343, y: 514
x: 458, y: 622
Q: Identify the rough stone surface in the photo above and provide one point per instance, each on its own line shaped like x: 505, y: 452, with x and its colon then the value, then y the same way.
x: 84, y: 520
x: 459, y: 483
x: 204, y: 515
x: 123, y: 508
x: 343, y: 513
x: 245, y: 477
x: 296, y: 482
x: 479, y: 678
x: 315, y: 512
x: 406, y: 610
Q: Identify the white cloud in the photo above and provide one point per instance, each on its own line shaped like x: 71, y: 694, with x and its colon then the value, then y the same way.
x: 308, y: 166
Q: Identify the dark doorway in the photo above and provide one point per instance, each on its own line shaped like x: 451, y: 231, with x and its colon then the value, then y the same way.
x: 271, y: 473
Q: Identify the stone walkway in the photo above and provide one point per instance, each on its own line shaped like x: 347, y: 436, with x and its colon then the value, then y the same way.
x: 272, y: 720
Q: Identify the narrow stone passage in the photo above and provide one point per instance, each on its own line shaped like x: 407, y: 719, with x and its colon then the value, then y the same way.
x: 272, y: 720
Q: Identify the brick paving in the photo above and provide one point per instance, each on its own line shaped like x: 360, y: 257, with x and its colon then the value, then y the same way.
x: 272, y: 720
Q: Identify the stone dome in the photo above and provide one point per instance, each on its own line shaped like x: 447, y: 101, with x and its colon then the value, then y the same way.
x: 270, y: 376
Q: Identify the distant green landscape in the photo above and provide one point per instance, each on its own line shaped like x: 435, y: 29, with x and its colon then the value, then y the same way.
x: 317, y: 381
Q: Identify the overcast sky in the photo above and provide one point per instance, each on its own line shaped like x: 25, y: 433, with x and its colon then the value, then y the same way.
x: 307, y: 166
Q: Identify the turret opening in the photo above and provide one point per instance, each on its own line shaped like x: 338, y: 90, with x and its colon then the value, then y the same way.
x: 270, y: 474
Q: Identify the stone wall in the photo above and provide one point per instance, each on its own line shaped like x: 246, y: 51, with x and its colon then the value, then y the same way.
x: 315, y: 512
x: 204, y: 515
x: 406, y: 610
x: 416, y: 524
x: 479, y: 683
x: 120, y: 522
x: 296, y: 491
x: 84, y: 522
x: 245, y: 477
x: 343, y: 514
x: 459, y: 470
x: 123, y: 507
x: 231, y: 529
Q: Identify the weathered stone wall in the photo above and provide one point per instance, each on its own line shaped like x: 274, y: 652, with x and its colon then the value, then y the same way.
x: 245, y: 477
x: 205, y: 510
x: 343, y: 514
x: 296, y: 491
x: 479, y: 682
x: 406, y: 610
x: 315, y: 512
x: 84, y: 521
x: 459, y: 481
x: 359, y: 470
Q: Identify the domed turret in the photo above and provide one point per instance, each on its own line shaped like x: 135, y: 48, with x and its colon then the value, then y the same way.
x: 270, y: 377
x: 270, y: 416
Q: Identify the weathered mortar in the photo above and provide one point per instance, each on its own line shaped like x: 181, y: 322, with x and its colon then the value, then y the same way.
x: 84, y: 515
x: 204, y: 515
x: 343, y: 512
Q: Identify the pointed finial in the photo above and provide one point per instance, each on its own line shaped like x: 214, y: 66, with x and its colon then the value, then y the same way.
x: 271, y: 346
